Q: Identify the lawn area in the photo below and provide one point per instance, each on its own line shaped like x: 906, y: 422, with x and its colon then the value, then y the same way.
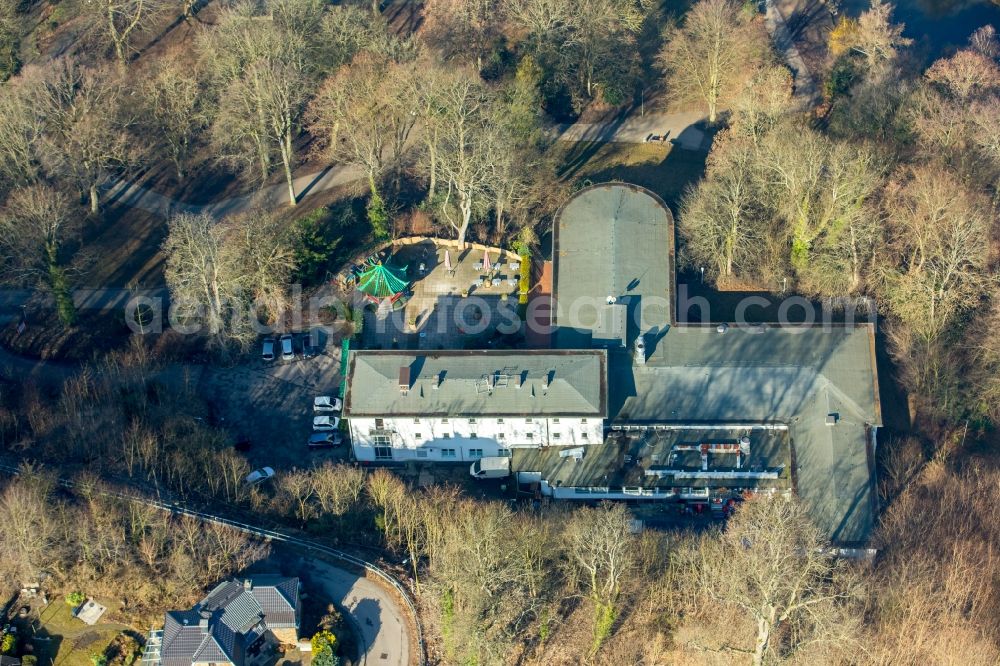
x: 662, y: 168
x: 71, y: 642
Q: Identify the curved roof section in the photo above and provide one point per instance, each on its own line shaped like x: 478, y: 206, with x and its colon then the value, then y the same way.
x: 612, y: 240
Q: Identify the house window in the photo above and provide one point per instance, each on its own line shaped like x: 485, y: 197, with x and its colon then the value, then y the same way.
x: 583, y: 420
x: 555, y: 420
x: 421, y: 453
x: 379, y: 423
x: 444, y: 420
x: 381, y: 439
x: 556, y: 435
x: 446, y: 435
x: 472, y: 421
x: 416, y: 420
x: 447, y: 453
x: 473, y: 435
x: 584, y: 435
x: 475, y: 453
x: 383, y: 453
x: 501, y: 435
x: 503, y: 453
x: 418, y: 435
x: 499, y: 421
x: 529, y: 435
x: 528, y: 420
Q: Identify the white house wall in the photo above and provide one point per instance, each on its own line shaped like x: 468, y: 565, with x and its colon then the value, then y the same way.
x: 434, y: 438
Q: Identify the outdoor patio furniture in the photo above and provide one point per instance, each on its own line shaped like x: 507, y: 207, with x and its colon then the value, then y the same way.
x: 479, y: 282
x: 496, y: 282
x: 515, y: 265
x: 479, y: 266
x: 512, y: 281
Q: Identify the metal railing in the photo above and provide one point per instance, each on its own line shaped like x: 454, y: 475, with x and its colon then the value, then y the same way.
x: 274, y: 535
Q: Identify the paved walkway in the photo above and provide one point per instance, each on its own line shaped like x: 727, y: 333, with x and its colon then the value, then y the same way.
x: 684, y: 130
x: 806, y: 91
x: 272, y: 196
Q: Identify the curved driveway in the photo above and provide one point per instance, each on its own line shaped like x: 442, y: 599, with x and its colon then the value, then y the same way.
x: 379, y: 621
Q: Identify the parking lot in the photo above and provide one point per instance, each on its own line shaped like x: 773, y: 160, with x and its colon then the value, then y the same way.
x: 270, y: 404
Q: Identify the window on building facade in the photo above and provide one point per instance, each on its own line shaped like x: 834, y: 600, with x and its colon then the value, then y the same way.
x: 503, y: 453
x: 556, y: 435
x: 583, y: 420
x: 381, y: 439
x: 447, y: 453
x: 501, y: 435
x: 383, y: 453
x: 475, y: 453
x: 471, y: 421
x: 584, y: 435
x: 473, y: 435
x: 444, y: 420
x: 446, y: 435
x: 499, y: 421
x: 416, y: 420
x: 555, y: 420
x: 529, y: 435
x: 528, y: 420
x: 421, y: 453
x: 418, y: 435
x: 379, y: 423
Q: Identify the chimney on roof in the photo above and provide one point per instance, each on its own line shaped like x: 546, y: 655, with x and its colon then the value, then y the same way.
x: 203, y: 617
x: 247, y: 584
x: 831, y: 419
x: 440, y: 380
x: 521, y: 376
x: 404, y: 379
x: 547, y: 379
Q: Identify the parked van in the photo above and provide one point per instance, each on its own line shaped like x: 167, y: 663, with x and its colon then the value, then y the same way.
x: 490, y: 468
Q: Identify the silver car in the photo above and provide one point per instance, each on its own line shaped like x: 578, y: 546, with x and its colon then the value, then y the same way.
x: 325, y: 423
x: 287, y: 350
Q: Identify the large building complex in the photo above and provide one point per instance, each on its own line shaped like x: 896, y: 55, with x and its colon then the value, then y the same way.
x: 631, y: 405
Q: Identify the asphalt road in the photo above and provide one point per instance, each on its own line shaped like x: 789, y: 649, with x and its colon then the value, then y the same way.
x: 377, y: 617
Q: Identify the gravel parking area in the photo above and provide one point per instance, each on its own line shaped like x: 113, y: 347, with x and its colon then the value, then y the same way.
x: 270, y: 404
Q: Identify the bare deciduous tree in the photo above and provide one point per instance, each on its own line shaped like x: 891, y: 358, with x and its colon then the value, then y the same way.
x: 37, y: 222
x: 877, y: 38
x: 772, y: 569
x: 708, y: 57
x: 86, y: 138
x: 119, y: 21
x: 220, y: 272
x: 599, y: 543
x: 175, y: 109
x: 364, y: 115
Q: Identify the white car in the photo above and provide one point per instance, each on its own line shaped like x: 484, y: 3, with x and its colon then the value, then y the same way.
x: 323, y: 423
x: 259, y: 475
x: 287, y: 350
x: 268, y: 351
x: 325, y: 403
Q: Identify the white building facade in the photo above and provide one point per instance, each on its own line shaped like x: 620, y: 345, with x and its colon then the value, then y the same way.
x: 465, y: 405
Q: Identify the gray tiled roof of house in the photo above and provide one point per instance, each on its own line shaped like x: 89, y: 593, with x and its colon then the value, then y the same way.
x: 231, y: 611
x: 612, y: 239
x: 576, y: 383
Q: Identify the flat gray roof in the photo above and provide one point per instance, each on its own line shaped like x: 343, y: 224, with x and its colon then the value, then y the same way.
x: 763, y: 374
x: 603, y: 465
x: 612, y: 240
x: 758, y: 373
x: 576, y: 383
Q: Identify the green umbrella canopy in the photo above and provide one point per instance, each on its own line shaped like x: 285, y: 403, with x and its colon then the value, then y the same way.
x: 380, y: 281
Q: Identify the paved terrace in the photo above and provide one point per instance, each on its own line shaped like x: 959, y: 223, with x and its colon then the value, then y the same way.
x: 448, y: 309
